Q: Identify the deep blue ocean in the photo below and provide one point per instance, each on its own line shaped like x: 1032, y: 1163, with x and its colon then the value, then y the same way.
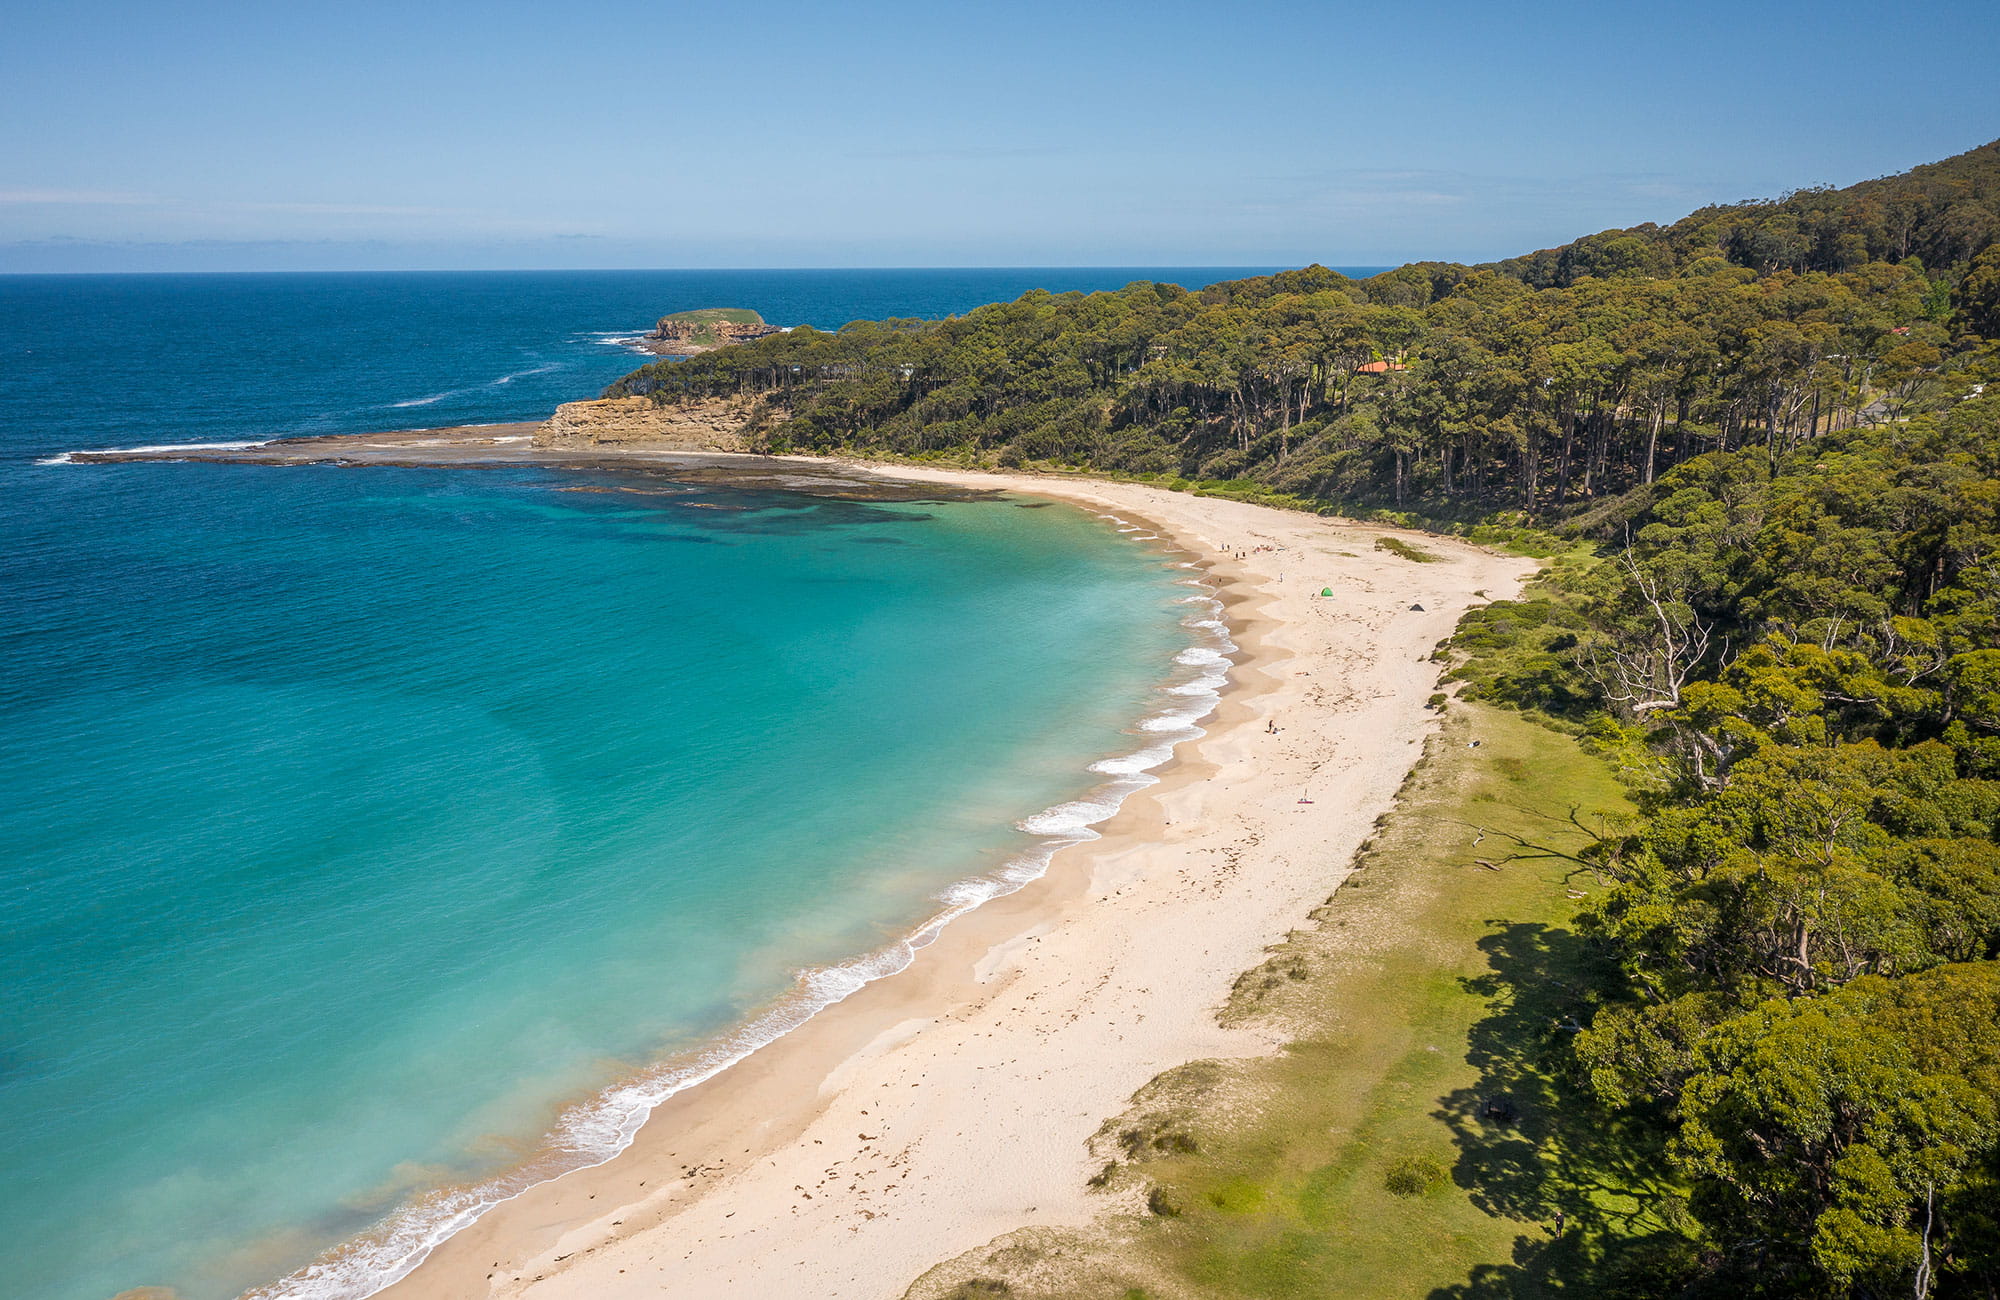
x: 371, y: 831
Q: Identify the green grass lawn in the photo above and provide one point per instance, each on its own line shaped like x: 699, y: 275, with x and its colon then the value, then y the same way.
x: 735, y: 315
x: 1434, y: 990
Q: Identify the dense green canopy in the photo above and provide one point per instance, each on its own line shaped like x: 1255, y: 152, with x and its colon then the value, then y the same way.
x: 1799, y: 658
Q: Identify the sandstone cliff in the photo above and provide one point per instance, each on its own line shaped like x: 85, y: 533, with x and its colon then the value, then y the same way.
x: 714, y: 333
x: 714, y: 425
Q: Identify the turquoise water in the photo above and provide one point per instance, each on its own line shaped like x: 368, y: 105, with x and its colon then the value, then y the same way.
x: 366, y: 828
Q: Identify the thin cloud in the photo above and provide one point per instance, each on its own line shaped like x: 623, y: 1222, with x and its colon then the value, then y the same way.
x: 969, y: 153
x: 346, y: 209
x: 1393, y: 198
x: 122, y: 199
x: 77, y: 198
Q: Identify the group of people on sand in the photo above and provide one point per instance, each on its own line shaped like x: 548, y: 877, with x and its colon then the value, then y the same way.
x: 1244, y: 553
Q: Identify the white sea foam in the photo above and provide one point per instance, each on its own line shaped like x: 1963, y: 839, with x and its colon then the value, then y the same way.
x: 64, y: 458
x: 1136, y: 762
x: 431, y: 399
x: 523, y: 374
x: 969, y: 893
x: 1068, y: 819
x: 632, y: 340
x: 594, y: 1132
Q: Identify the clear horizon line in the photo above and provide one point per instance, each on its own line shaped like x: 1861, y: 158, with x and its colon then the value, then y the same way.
x: 1260, y: 268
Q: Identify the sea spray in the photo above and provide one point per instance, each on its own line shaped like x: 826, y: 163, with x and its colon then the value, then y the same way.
x: 69, y: 457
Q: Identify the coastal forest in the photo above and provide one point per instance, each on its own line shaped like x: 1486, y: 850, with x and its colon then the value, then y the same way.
x: 1768, y: 437
x: 1542, y: 384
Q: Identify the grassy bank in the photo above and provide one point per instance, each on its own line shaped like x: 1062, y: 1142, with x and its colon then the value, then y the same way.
x: 1421, y: 1011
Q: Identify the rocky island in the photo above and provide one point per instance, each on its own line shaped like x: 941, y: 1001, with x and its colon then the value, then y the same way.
x: 688, y: 333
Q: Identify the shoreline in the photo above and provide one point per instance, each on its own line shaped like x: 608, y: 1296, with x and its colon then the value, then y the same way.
x: 951, y: 1102
x: 1172, y: 718
x: 939, y: 1108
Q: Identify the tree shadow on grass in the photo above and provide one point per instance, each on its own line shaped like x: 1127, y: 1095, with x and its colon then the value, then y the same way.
x: 1655, y: 1266
x: 1533, y: 1144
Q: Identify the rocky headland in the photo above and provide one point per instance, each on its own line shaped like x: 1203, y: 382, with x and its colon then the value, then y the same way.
x: 718, y: 424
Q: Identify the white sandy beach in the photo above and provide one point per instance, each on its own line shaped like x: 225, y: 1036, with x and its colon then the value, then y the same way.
x: 943, y: 1106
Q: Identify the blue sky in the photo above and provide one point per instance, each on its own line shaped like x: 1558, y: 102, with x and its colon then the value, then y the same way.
x: 236, y: 136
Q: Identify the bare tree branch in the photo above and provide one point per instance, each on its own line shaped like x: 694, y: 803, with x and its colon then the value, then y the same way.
x: 1652, y: 675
